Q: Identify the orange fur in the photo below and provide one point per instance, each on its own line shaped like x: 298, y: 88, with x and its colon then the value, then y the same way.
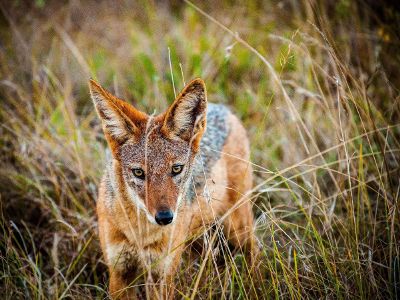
x: 130, y: 242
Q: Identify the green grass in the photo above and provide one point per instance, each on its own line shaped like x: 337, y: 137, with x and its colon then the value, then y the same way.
x: 314, y: 84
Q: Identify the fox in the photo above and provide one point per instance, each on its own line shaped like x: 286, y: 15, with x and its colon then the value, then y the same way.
x: 169, y: 177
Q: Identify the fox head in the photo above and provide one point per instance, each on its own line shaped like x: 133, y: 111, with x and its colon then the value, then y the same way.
x: 154, y: 155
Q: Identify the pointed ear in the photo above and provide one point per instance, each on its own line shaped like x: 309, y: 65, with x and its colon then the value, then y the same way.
x: 186, y: 117
x: 120, y: 120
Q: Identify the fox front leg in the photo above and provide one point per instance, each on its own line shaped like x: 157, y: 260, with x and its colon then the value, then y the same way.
x: 119, y: 287
x: 164, y: 287
x: 161, y: 289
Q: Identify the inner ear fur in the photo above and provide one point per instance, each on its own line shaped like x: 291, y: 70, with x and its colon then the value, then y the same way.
x: 186, y: 117
x: 120, y: 120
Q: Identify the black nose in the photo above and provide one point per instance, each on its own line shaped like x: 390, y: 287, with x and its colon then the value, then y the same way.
x: 164, y: 217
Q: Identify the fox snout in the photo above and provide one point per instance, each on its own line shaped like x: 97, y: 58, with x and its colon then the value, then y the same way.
x: 162, y: 201
x: 164, y: 217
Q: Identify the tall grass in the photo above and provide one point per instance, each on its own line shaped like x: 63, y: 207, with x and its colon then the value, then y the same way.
x: 314, y: 86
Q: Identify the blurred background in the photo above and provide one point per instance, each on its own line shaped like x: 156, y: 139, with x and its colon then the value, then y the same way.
x: 316, y: 84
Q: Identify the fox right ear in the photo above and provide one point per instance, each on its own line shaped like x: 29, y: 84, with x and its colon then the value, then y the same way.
x: 186, y: 117
x: 119, y: 119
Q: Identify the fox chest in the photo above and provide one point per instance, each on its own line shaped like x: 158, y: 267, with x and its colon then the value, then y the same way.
x: 144, y: 252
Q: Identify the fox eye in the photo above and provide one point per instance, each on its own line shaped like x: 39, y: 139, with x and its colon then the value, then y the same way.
x: 177, y: 169
x: 139, y: 173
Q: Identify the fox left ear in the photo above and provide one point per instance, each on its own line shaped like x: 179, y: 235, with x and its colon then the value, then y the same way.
x: 186, y: 117
x: 120, y: 120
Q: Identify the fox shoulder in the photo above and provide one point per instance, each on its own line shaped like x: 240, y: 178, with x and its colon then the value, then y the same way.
x: 217, y: 131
